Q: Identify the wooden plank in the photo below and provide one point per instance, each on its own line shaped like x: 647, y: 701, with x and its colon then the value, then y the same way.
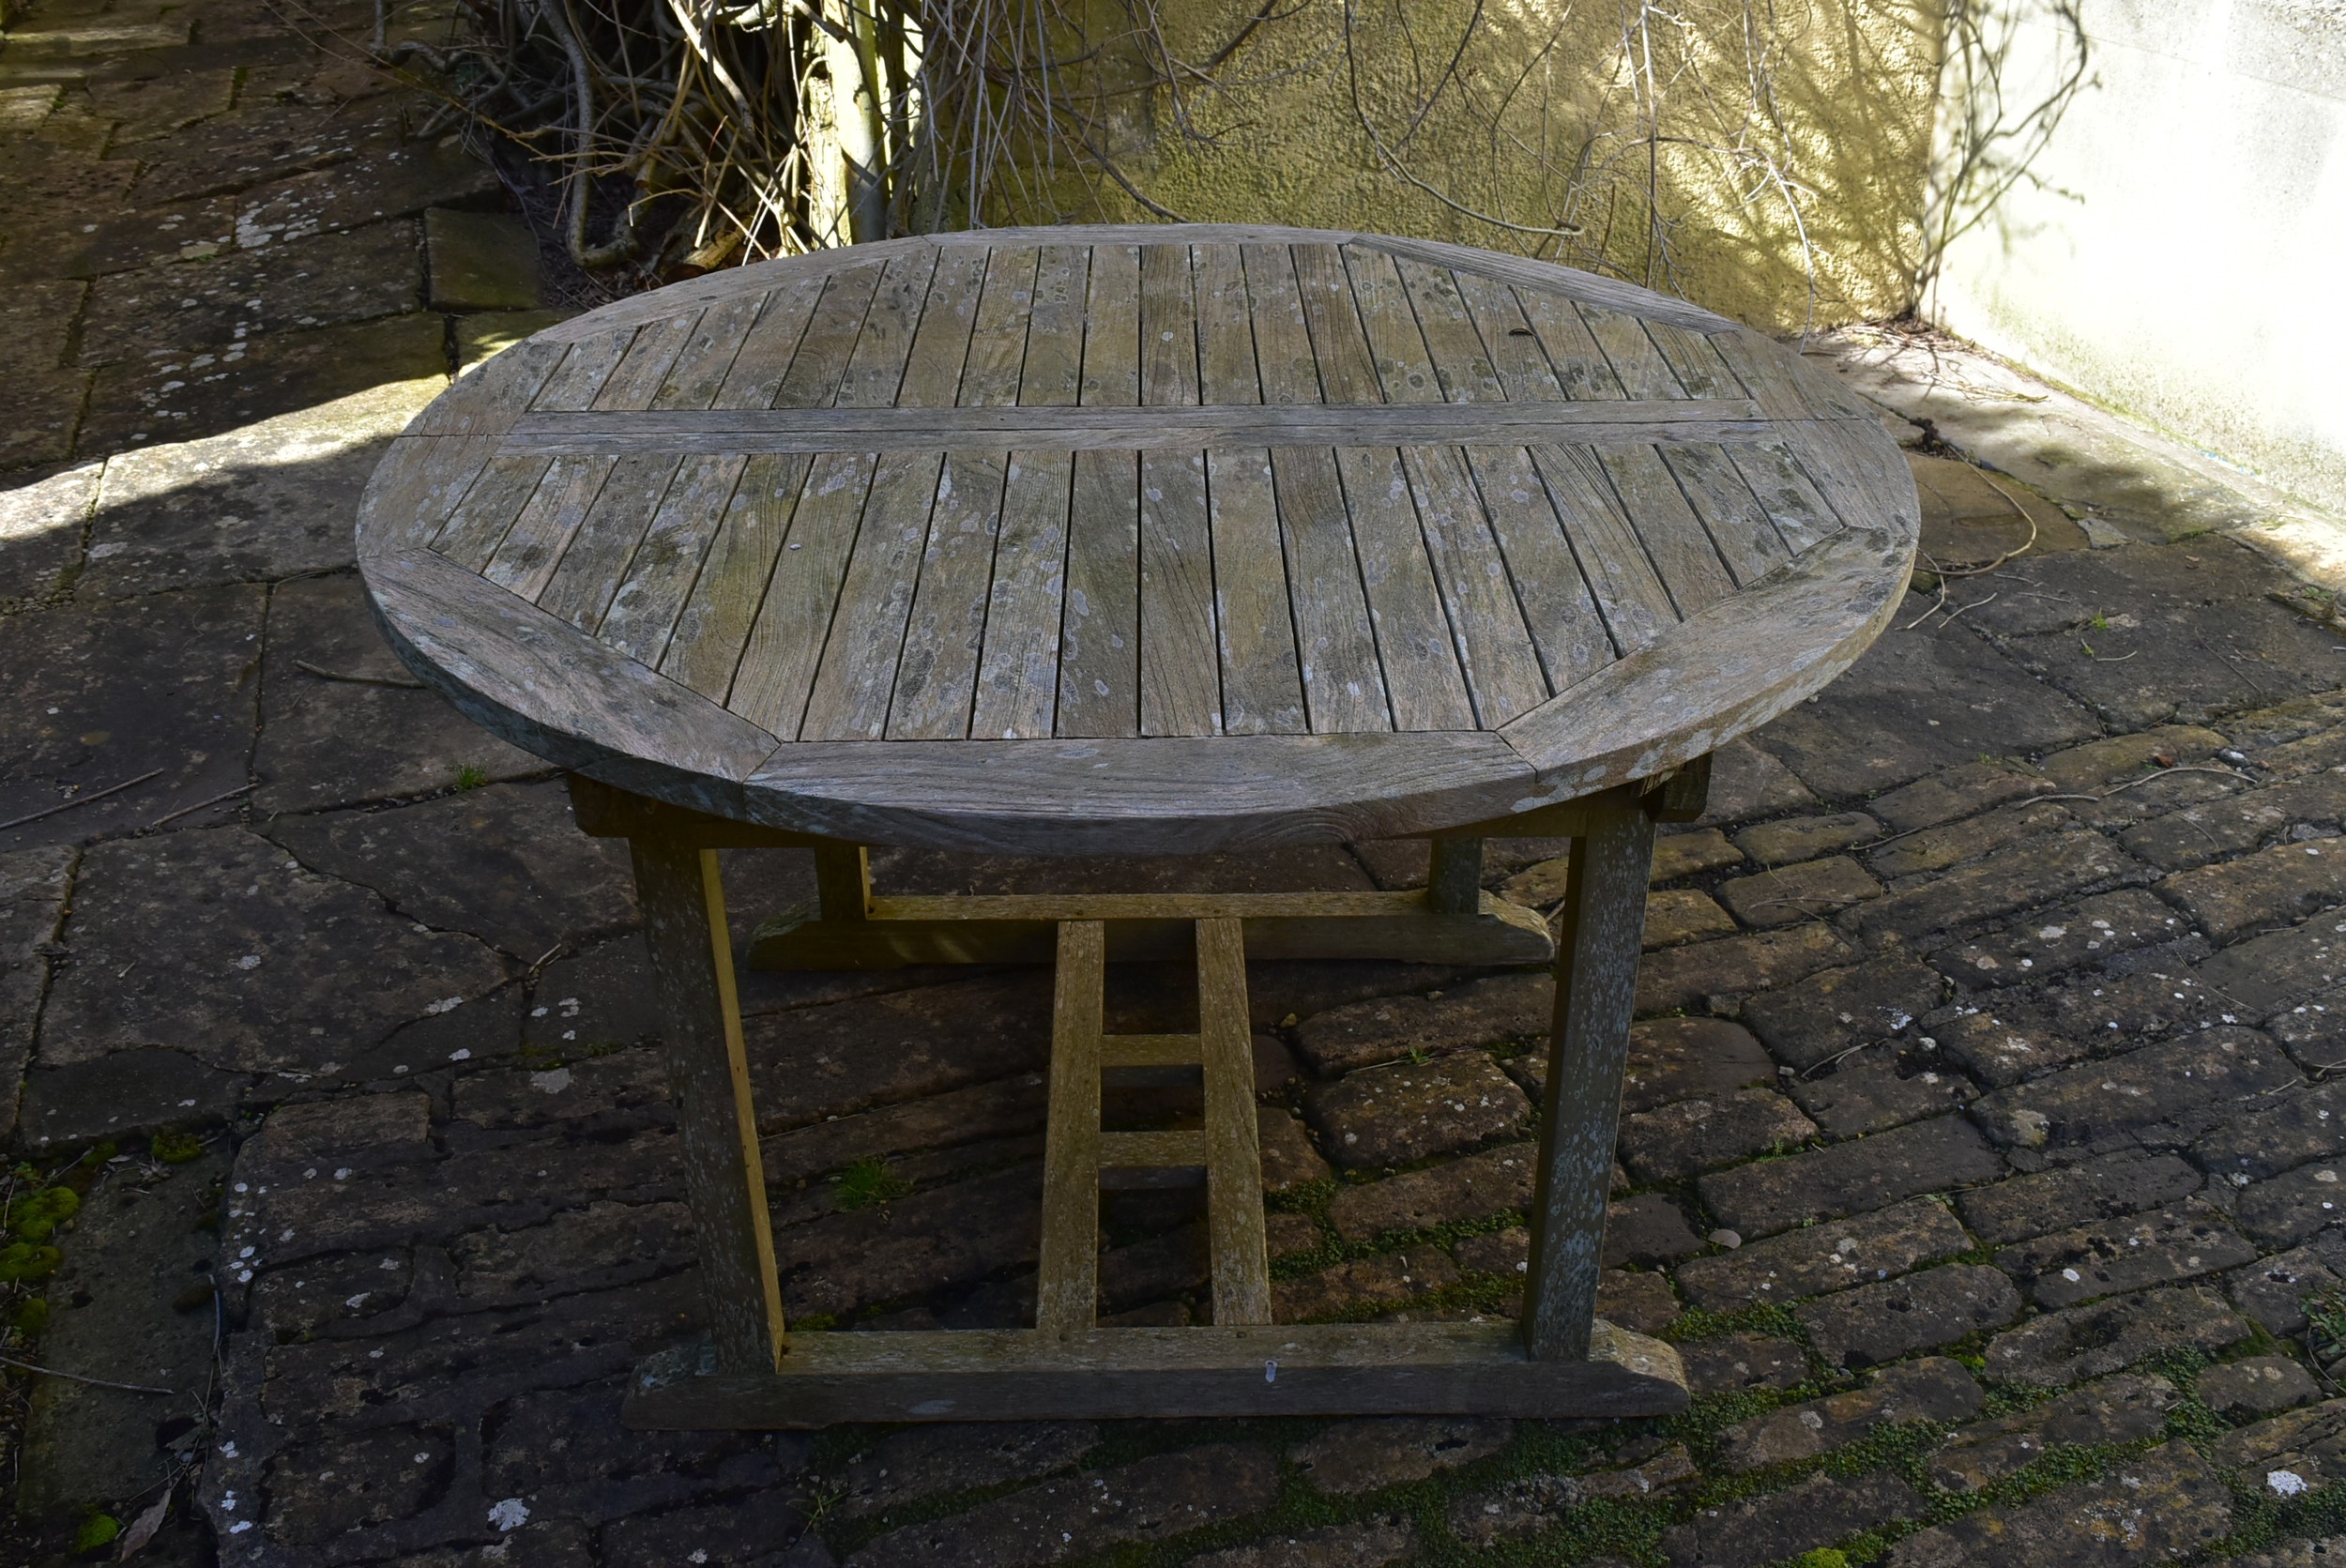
x: 1461, y: 359
x: 1732, y: 515
x: 938, y: 665
x: 1498, y: 932
x: 481, y: 520
x: 876, y: 368
x: 1180, y: 682
x: 1018, y: 674
x: 1340, y: 351
x: 1547, y: 276
x: 653, y: 592
x: 1862, y: 476
x: 1454, y: 875
x: 1167, y: 1150
x: 644, y: 369
x: 1675, y: 537
x: 982, y: 429
x: 605, y: 811
x: 1150, y: 1050
x: 551, y: 690
x: 1694, y: 361
x: 1416, y: 654
x: 843, y: 882
x: 727, y: 281
x: 1099, y: 659
x: 1168, y: 327
x: 1343, y: 686
x: 1227, y: 371
x: 820, y: 374
x: 416, y: 487
x: 1052, y: 375
x: 1262, y: 682
x: 719, y: 622
x: 1580, y: 366
x: 1644, y: 371
x: 1597, y: 985
x: 1067, y: 1278
x: 1150, y: 796
x: 1801, y: 516
x: 1562, y: 617
x: 1515, y: 350
x: 580, y: 588
x: 776, y: 669
x: 682, y: 900
x: 1758, y: 653
x: 583, y: 370
x: 532, y: 547
x: 712, y: 629
x: 1629, y: 592
x: 1112, y: 350
x: 1787, y: 386
x: 998, y: 340
x: 936, y: 670
x: 857, y: 673
x: 1336, y: 642
x: 861, y: 520
x: 699, y: 369
x: 940, y: 344
x: 1495, y: 646
x: 1288, y: 368
x: 1233, y: 1158
x: 1291, y: 1369
x: 484, y: 401
x: 1404, y: 367
x: 810, y: 323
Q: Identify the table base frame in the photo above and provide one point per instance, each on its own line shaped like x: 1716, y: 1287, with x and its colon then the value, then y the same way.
x: 1557, y: 1360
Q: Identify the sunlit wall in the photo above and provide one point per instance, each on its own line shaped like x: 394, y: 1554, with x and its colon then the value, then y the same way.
x: 1792, y: 147
x: 2177, y: 247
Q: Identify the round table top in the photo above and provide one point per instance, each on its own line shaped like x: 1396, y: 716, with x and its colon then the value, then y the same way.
x: 1147, y: 540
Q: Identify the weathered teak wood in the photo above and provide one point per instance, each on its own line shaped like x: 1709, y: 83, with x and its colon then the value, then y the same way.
x: 1103, y: 1374
x: 1313, y: 535
x: 1067, y: 1277
x: 1141, y: 541
x: 1233, y: 1159
x: 692, y: 959
x: 1596, y: 982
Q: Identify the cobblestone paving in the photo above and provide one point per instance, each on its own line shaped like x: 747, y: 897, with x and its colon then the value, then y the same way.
x: 1977, y: 1151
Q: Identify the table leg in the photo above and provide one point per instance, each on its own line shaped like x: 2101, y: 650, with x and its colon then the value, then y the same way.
x: 683, y: 906
x: 1453, y: 876
x: 1603, y: 927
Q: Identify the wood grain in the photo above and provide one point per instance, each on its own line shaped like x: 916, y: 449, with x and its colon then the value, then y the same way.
x: 1233, y: 1157
x: 1181, y: 660
x: 1099, y: 662
x: 1067, y: 1277
x: 1198, y: 491
x: 978, y: 428
x: 682, y: 899
x: 1597, y: 942
x: 1292, y: 1369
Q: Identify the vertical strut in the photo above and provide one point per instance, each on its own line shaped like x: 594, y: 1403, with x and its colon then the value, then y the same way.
x: 1597, y: 985
x: 1234, y: 1217
x: 683, y: 902
x: 1067, y: 1282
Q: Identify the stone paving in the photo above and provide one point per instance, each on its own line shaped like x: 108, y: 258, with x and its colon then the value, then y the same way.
x: 1977, y: 1151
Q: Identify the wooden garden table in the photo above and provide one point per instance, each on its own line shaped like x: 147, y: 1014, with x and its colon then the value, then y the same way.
x: 1140, y: 540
